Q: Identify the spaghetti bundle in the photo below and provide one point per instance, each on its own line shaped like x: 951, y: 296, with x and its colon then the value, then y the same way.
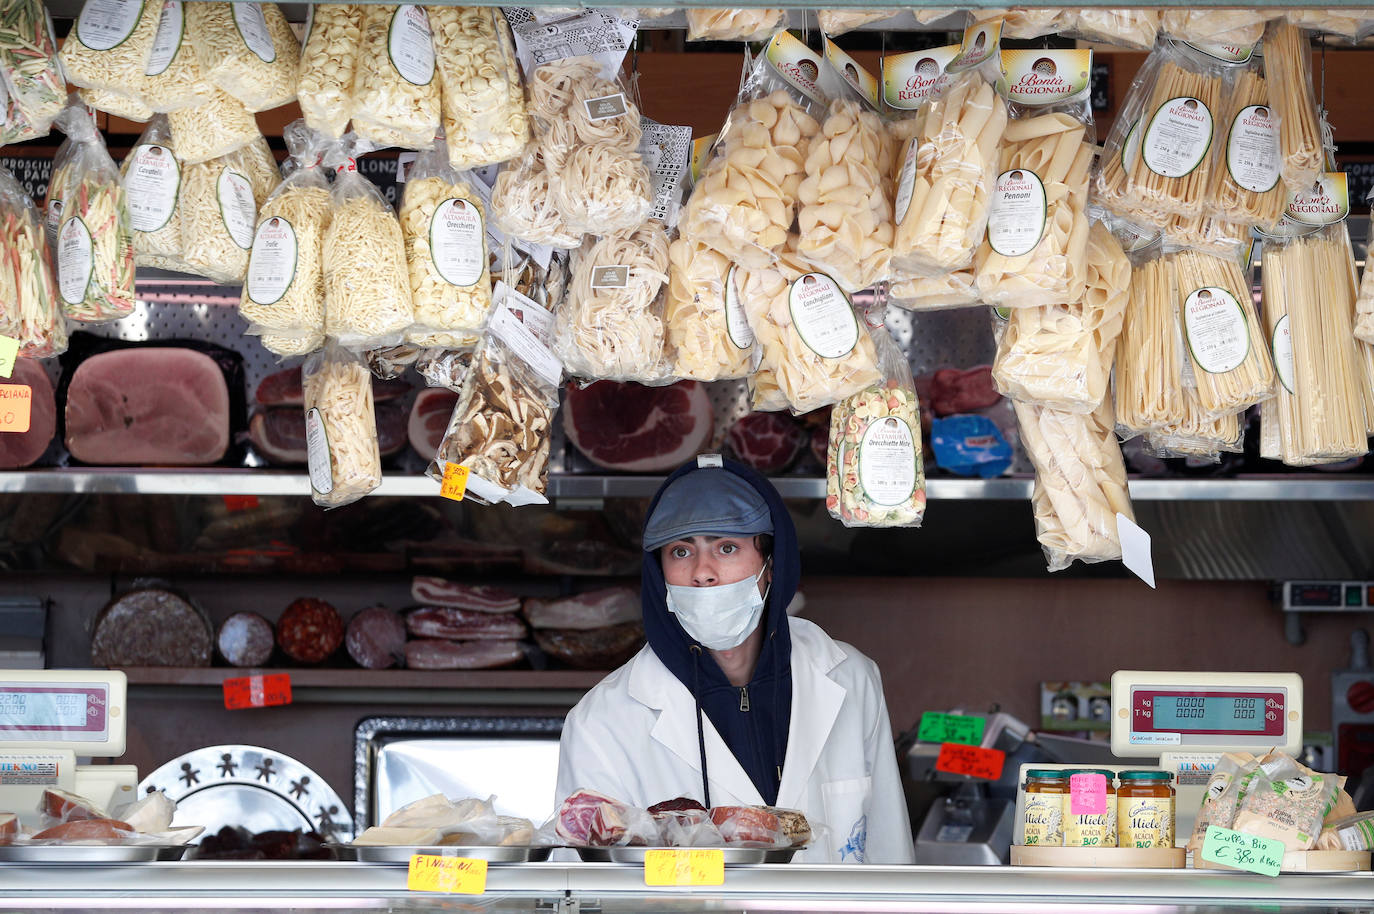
x: 1245, y: 185
x: 1287, y: 68
x: 1148, y: 362
x: 1194, y: 434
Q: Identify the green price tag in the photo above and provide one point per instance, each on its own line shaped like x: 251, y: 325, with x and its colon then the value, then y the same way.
x: 951, y: 728
x: 1243, y: 852
x: 9, y: 351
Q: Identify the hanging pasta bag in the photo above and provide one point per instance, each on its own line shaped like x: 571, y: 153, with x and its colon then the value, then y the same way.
x: 1288, y: 72
x: 213, y: 128
x: 29, y: 65
x: 340, y: 428
x: 1124, y: 28
x: 1246, y: 186
x: 328, y: 65
x: 29, y: 309
x: 152, y: 184
x: 836, y: 22
x: 173, y: 78
x: 706, y: 332
x: 733, y: 24
x: 110, y: 44
x: 219, y: 210
x: 1235, y: 27
x: 483, y: 100
x: 396, y: 90
x: 15, y: 125
x: 1147, y: 379
x: 247, y: 49
x: 1364, y: 303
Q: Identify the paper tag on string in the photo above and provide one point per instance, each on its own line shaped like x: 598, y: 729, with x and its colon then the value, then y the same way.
x: 1135, y: 549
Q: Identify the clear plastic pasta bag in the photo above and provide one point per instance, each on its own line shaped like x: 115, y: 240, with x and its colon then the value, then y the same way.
x: 1080, y: 483
x: 1288, y: 72
x: 444, y: 225
x: 152, y: 184
x: 1210, y: 235
x: 1028, y: 23
x: 340, y: 428
x: 1125, y: 28
x: 1239, y: 28
x: 483, y: 101
x: 874, y: 471
x: 837, y: 22
x: 396, y: 90
x: 1224, y: 788
x: 1350, y: 25
x: 119, y: 104
x: 328, y: 64
x: 523, y: 206
x: 173, y: 78
x: 1060, y: 356
x: 1246, y: 188
x: 29, y: 309
x: 610, y: 324
x: 15, y: 125
x: 94, y: 250
x: 733, y: 25
x: 212, y: 129
x: 29, y: 65
x: 283, y: 292
x: 1364, y: 301
x: 1286, y: 801
x: 1195, y: 435
x: 246, y: 49
x: 934, y: 293
x: 219, y: 210
x: 366, y: 282
x: 110, y: 43
x: 1148, y: 379
x: 706, y: 332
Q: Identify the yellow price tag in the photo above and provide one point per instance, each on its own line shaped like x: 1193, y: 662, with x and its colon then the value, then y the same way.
x: 697, y: 866
x: 9, y: 351
x: 455, y: 483
x: 453, y: 875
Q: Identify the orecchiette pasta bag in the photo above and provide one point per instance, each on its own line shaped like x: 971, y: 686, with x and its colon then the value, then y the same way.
x: 110, y: 43
x: 396, y: 89
x: 213, y: 128
x: 29, y: 309
x: 733, y: 25
x: 152, y: 184
x: 340, y: 428
x: 1125, y: 28
x: 173, y: 78
x: 483, y: 101
x: 1246, y: 186
x: 29, y: 65
x: 706, y: 332
x: 1033, y: 252
x: 219, y: 210
x: 246, y: 49
x: 1288, y: 72
x: 329, y: 59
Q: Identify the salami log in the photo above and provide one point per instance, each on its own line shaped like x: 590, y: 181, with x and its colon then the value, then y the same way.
x: 151, y: 627
x: 245, y: 639
x: 376, y: 638
x: 310, y: 631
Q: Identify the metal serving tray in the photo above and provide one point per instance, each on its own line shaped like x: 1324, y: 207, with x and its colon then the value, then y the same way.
x: 86, y: 854
x: 400, y: 854
x: 734, y: 856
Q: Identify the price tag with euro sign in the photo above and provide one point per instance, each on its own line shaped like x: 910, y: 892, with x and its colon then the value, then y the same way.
x: 695, y: 866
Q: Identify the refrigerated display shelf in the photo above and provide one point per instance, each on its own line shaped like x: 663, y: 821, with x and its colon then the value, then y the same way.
x: 372, y: 679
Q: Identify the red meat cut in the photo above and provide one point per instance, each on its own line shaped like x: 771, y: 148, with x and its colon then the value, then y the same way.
x: 278, y: 434
x: 463, y: 624
x: 635, y: 428
x: 768, y: 442
x: 432, y: 654
x: 283, y: 388
x: 591, y: 819
x: 310, y: 630
x: 21, y: 449
x: 485, y: 598
x: 376, y: 638
x: 429, y: 419
x: 149, y: 406
x: 953, y: 391
x: 245, y: 639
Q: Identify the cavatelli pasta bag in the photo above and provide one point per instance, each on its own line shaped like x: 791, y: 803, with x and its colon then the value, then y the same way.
x: 213, y: 128
x: 29, y: 309
x: 173, y: 77
x: 340, y: 428
x: 110, y: 43
x: 246, y: 49
x: 219, y: 210
x: 328, y: 64
x: 152, y: 179
x: 29, y: 64
x: 396, y: 89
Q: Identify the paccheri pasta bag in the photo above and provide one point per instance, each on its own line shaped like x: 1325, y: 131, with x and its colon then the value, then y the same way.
x: 396, y: 89
x: 1034, y: 250
x: 94, y: 250
x: 1246, y: 186
x: 29, y: 309
x: 733, y: 24
x: 444, y: 225
x: 152, y: 184
x: 706, y: 332
x: 329, y: 59
x: 340, y: 428
x: 483, y: 101
x: 283, y: 292
x: 213, y: 128
x: 1125, y: 28
x: 246, y: 49
x: 219, y: 210
x: 1288, y: 72
x: 29, y: 65
x: 110, y: 44
x: 173, y: 78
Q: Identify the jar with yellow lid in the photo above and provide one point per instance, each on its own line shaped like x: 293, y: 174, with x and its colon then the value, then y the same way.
x: 1042, y: 818
x: 1091, y: 829
x: 1145, y: 809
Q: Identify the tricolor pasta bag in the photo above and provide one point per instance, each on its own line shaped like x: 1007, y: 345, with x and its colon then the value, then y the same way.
x: 29, y: 65
x: 283, y: 292
x: 1125, y: 28
x: 1288, y: 71
x: 483, y: 100
x: 219, y: 210
x: 110, y: 44
x: 733, y: 25
x: 246, y: 49
x: 152, y: 184
x: 874, y: 472
x: 213, y: 128
x: 444, y: 225
x: 329, y: 60
x: 706, y: 332
x: 1033, y: 252
x: 396, y: 89
x: 15, y: 125
x: 29, y: 309
x: 1239, y: 28
x: 94, y: 250
x: 1246, y: 185
x: 173, y: 77
x: 344, y: 460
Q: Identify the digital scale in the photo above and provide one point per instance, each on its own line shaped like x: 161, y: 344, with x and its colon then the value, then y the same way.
x: 50, y: 717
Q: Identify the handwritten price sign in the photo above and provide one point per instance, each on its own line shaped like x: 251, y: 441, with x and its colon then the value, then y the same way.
x: 976, y: 762
x: 1243, y: 852
x: 951, y: 728
x: 451, y: 875
x: 699, y: 866
x: 1087, y: 794
x: 455, y: 482
x: 257, y: 691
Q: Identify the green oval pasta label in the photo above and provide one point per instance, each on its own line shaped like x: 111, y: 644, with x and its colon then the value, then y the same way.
x: 317, y: 452
x: 1216, y: 328
x: 1016, y: 214
x: 1179, y: 135
x: 736, y: 321
x: 456, y: 238
x: 906, y: 182
x: 252, y: 26
x: 822, y: 316
x: 75, y: 260
x: 1282, y: 344
x: 170, y: 28
x: 1252, y: 149
x: 410, y: 45
x: 151, y: 183
x: 106, y: 24
x: 272, y: 265
x: 887, y: 461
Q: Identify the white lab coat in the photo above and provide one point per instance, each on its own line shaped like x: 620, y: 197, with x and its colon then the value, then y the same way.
x: 634, y: 737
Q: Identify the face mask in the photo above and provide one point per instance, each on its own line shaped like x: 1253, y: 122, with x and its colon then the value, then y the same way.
x: 719, y: 617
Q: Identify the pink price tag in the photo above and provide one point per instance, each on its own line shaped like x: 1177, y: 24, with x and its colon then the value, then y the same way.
x: 1087, y: 795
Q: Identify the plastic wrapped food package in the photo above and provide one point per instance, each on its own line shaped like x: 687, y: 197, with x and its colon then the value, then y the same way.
x: 340, y: 427
x: 246, y: 49
x: 1288, y: 73
x: 110, y: 43
x: 1192, y: 433
x: 328, y: 64
x: 444, y: 225
x: 610, y: 324
x: 1029, y: 23
x: 1348, y: 24
x: 1239, y: 27
x: 173, y: 78
x: 15, y: 125
x: 1060, y: 356
x: 1210, y: 235
x: 212, y: 129
x: 29, y: 64
x: 1224, y: 788
x: 395, y: 91
x: 934, y: 293
x: 706, y: 332
x: 1148, y: 376
x: 219, y: 210
x: 1248, y: 189
x: 1285, y: 801
x: 29, y: 309
x: 844, y: 211
x: 119, y: 104
x: 733, y: 24
x: 483, y: 102
x: 152, y: 185
x: 1126, y: 28
x: 837, y: 22
x: 523, y: 206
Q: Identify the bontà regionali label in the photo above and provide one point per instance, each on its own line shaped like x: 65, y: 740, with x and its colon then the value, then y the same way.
x: 1038, y: 77
x: 1179, y: 135
x: 1017, y: 212
x: 1326, y: 202
x: 1252, y: 149
x: 456, y: 235
x: 410, y: 44
x: 252, y: 26
x: 106, y: 24
x: 823, y: 316
x: 317, y: 452
x: 911, y: 79
x: 982, y: 41
x: 887, y: 461
x: 151, y: 184
x: 272, y: 265
x: 1215, y: 326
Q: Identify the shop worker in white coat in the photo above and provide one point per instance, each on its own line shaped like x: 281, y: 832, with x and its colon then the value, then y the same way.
x: 731, y: 703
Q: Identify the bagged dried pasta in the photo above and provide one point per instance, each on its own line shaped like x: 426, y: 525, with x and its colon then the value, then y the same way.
x: 1194, y: 434
x: 1288, y: 72
x: 173, y: 78
x: 934, y: 293
x: 733, y: 25
x: 15, y: 126
x: 29, y: 65
x: 1148, y: 380
x: 213, y: 128
x: 329, y: 58
x: 110, y: 43
x: 119, y: 104
x: 706, y: 332
x: 523, y: 206
x: 246, y: 49
x: 1225, y: 787
x: 1236, y: 27
x: 837, y: 22
x: 483, y: 101
x: 29, y: 309
x: 219, y: 210
x: 1286, y: 801
x: 396, y: 92
x: 152, y: 184
x: 1126, y: 28
x: 1028, y: 23
x: 1364, y: 301
x: 1351, y: 25
x: 1247, y: 189
x: 340, y: 428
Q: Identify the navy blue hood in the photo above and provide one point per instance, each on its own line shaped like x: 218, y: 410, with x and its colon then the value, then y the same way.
x: 756, y: 735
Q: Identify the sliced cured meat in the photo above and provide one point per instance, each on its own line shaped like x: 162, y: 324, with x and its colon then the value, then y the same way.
x: 22, y: 449
x: 677, y: 804
x: 428, y: 654
x: 752, y: 825
x: 310, y: 630
x: 635, y: 428
x: 597, y: 649
x: 245, y: 639
x: 278, y: 434
x: 463, y: 624
x: 283, y: 388
x: 433, y: 591
x: 63, y: 806
x: 768, y: 442
x: 594, y: 609
x: 953, y: 391
x: 591, y: 819
x: 429, y: 417
x: 87, y: 830
x: 151, y: 627
x: 148, y: 406
x: 376, y: 638
x: 9, y: 828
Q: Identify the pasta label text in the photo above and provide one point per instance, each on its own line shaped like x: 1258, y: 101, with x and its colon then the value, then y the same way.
x: 736, y: 322
x: 910, y: 80
x: 272, y: 265
x: 237, y: 207
x: 797, y: 64
x: 1215, y: 326
x: 151, y: 184
x: 317, y: 452
x: 887, y: 461
x: 456, y: 236
x: 1227, y: 53
x: 1326, y: 202
x: 1252, y: 149
x: 906, y: 182
x: 252, y: 26
x: 1179, y: 135
x: 605, y: 107
x: 170, y: 29
x: 75, y: 260
x: 1282, y: 344
x: 823, y: 316
x: 1041, y: 77
x: 1016, y: 216
x: 410, y: 44
x: 106, y: 24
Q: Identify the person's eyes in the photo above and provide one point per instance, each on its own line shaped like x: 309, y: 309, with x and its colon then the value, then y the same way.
x: 729, y: 548
x: 679, y: 552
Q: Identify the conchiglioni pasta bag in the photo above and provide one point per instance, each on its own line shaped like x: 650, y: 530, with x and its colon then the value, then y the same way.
x: 173, y: 78
x: 219, y: 210
x: 706, y: 332
x: 29, y: 66
x: 247, y: 50
x: 396, y: 89
x: 110, y: 43
x: 875, y: 475
x: 283, y: 293
x: 340, y: 428
x: 733, y: 24
x: 329, y: 60
x: 29, y: 309
x: 152, y: 177
x: 483, y: 100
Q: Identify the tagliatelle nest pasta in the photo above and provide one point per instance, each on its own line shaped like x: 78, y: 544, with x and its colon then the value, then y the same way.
x: 706, y: 331
x: 246, y: 49
x: 523, y: 205
x: 328, y: 64
x: 483, y: 102
x: 733, y: 25
x: 212, y: 129
x: 219, y: 210
x: 445, y: 235
x: 110, y: 43
x: 340, y: 428
x: 396, y: 92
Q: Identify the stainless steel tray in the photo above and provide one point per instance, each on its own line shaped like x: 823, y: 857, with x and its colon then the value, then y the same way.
x: 734, y: 856
x: 400, y: 854
x: 86, y: 854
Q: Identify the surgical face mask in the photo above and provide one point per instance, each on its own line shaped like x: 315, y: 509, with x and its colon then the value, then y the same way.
x: 719, y: 617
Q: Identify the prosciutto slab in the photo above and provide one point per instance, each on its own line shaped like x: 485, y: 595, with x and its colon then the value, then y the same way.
x: 463, y: 624
x: 591, y: 819
x: 432, y: 591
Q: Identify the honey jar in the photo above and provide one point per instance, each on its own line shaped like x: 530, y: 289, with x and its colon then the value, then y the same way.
x: 1145, y: 809
x: 1091, y: 829
x: 1047, y: 796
